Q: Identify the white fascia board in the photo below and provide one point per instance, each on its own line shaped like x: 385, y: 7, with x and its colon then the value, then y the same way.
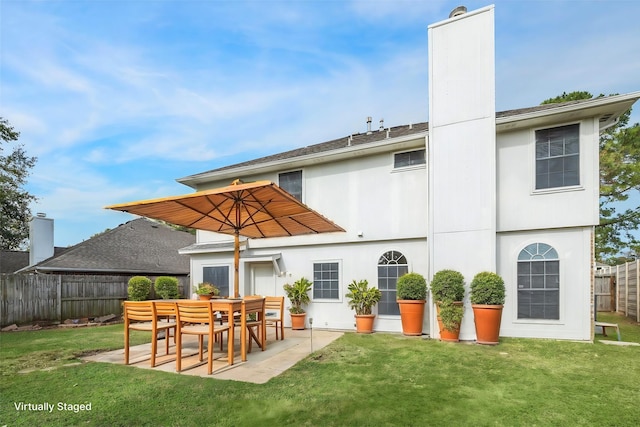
x: 211, y: 247
x: 414, y: 140
x: 609, y: 108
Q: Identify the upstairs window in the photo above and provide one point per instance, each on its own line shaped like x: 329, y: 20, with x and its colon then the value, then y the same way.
x: 291, y: 182
x: 558, y: 157
x: 409, y: 158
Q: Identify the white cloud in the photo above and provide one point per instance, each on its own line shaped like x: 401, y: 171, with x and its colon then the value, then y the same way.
x: 167, y: 89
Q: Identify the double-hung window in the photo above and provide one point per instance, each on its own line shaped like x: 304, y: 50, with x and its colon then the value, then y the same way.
x: 326, y: 280
x: 218, y: 276
x: 291, y: 182
x: 558, y: 157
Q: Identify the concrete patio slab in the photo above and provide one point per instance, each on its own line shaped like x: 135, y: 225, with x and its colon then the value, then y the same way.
x: 259, y: 368
x: 619, y: 343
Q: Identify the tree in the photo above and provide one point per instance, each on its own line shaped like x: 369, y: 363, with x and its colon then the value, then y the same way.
x: 619, y: 179
x: 14, y: 199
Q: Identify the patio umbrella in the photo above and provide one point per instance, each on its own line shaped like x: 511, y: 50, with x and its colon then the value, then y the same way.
x: 255, y: 210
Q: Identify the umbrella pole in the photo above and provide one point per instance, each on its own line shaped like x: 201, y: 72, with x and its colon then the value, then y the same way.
x: 236, y: 265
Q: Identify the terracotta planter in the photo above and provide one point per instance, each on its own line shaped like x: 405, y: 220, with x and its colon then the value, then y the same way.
x: 411, y: 315
x: 204, y: 297
x: 446, y: 335
x: 297, y: 321
x: 487, y: 319
x: 364, y: 323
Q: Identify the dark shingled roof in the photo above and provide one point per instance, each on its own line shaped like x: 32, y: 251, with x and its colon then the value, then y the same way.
x: 139, y: 246
x: 336, y: 144
x: 12, y: 261
x: 366, y: 138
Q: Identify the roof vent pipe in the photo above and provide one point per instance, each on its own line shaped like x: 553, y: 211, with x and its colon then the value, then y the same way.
x: 460, y: 10
x: 381, y: 125
x: 369, y: 119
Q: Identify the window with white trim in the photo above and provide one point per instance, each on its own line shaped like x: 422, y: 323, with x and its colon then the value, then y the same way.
x: 291, y: 182
x: 410, y: 158
x: 391, y: 265
x: 558, y: 157
x: 218, y: 276
x: 538, y: 282
x: 326, y: 280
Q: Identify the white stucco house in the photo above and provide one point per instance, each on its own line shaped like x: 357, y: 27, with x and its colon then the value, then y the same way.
x: 515, y: 192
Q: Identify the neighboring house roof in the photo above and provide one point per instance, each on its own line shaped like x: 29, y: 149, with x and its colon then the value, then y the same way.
x: 504, y: 119
x: 12, y: 261
x: 140, y: 246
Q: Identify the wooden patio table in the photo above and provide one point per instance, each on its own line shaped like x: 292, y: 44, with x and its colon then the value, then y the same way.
x: 230, y: 306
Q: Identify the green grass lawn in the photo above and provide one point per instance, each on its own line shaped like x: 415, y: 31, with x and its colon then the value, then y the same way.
x: 359, y: 380
x: 629, y: 330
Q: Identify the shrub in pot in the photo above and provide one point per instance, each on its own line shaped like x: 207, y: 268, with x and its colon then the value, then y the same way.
x: 207, y: 290
x: 298, y: 294
x: 487, y: 300
x: 167, y: 287
x: 362, y: 298
x: 447, y: 288
x: 139, y: 288
x: 411, y: 295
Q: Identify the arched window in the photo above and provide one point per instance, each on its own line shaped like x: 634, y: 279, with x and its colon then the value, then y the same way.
x: 538, y: 282
x: 391, y: 265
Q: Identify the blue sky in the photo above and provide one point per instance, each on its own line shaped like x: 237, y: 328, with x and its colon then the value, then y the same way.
x: 117, y: 99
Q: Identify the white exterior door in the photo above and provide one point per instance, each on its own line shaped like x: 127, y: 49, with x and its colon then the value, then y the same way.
x: 264, y: 280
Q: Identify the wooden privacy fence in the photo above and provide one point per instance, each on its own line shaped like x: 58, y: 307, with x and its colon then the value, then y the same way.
x: 627, y: 277
x: 28, y: 298
x: 605, y: 292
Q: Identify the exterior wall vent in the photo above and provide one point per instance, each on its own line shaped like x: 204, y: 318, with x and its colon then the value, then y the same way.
x: 460, y: 10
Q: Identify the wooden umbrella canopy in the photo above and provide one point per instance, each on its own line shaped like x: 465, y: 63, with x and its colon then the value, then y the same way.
x: 255, y: 210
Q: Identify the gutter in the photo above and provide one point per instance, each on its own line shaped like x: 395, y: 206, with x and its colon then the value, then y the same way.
x: 97, y: 270
x: 595, y: 107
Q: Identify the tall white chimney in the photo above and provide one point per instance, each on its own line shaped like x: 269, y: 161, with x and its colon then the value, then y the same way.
x: 462, y: 148
x: 40, y: 238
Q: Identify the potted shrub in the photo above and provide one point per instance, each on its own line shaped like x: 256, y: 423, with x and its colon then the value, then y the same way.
x: 447, y: 288
x: 167, y: 287
x: 206, y: 290
x: 361, y: 299
x: 487, y: 300
x: 411, y: 294
x: 139, y: 288
x: 298, y: 294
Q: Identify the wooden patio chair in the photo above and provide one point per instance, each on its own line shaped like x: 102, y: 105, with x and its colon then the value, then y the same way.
x: 167, y: 311
x: 253, y: 312
x: 142, y: 316
x: 197, y: 318
x: 274, y: 308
